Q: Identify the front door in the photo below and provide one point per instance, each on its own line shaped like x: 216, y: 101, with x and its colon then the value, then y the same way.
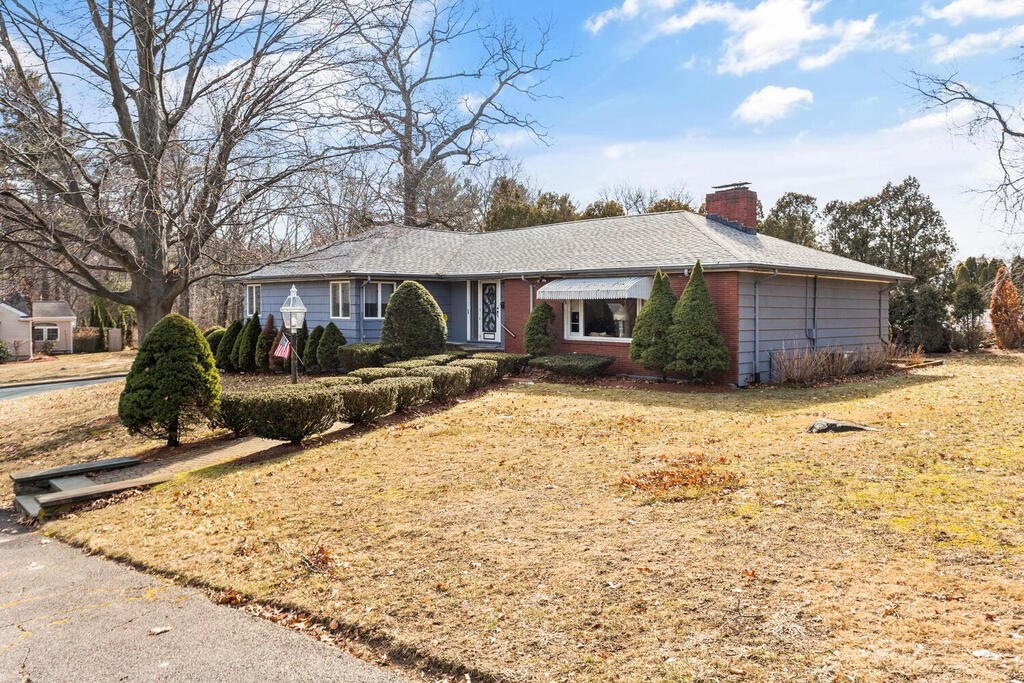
x: 490, y: 310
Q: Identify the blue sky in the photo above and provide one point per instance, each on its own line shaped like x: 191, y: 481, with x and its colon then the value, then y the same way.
x: 804, y: 95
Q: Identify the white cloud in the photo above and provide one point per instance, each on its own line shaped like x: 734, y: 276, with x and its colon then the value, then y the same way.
x: 977, y: 43
x: 771, y: 103
x: 828, y: 166
x: 958, y: 11
x: 627, y: 10
x: 854, y: 33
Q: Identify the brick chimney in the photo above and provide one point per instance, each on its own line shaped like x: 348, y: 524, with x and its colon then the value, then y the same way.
x: 736, y: 203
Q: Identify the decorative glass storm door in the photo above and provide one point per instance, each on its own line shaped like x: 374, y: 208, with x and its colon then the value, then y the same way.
x: 489, y: 311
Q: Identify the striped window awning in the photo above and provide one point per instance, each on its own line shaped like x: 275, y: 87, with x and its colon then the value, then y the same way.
x: 590, y: 289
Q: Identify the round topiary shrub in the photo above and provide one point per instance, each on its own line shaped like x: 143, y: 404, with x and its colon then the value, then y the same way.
x: 172, y: 383
x: 536, y: 338
x: 413, y: 323
x: 226, y: 345
x: 449, y: 382
x: 412, y: 391
x: 328, y: 351
x: 370, y: 374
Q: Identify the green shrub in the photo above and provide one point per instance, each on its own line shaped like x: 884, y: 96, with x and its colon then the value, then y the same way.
x: 172, y: 383
x: 413, y: 322
x: 232, y: 413
x: 508, y: 363
x: 574, y: 364
x: 214, y: 338
x: 651, y: 346
x: 697, y: 344
x: 449, y: 382
x: 367, y: 402
x: 538, y: 341
x: 227, y: 343
x: 334, y: 382
x: 290, y: 412
x: 483, y: 371
x: 265, y: 344
x: 371, y: 374
x: 444, y: 358
x: 275, y: 363
x: 327, y: 351
x: 411, y: 364
x: 411, y: 391
x: 301, y: 337
x: 247, y: 341
x: 5, y: 353
x: 309, y: 355
x: 355, y: 356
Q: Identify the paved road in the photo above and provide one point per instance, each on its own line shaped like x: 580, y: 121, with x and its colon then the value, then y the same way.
x: 66, y: 616
x: 18, y: 392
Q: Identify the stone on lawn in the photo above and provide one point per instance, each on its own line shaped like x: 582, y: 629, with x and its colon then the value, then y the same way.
x: 832, y: 426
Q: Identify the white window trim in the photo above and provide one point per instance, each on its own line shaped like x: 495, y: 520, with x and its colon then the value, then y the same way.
x: 579, y: 336
x: 249, y: 300
x: 380, y: 311
x: 45, y: 326
x: 341, y: 308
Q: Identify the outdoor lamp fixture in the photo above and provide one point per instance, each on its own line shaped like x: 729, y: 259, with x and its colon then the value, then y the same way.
x: 293, y: 314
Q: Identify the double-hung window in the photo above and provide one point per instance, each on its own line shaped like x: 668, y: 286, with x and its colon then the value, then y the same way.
x: 601, y: 320
x: 375, y: 298
x: 341, y: 299
x: 252, y: 300
x: 45, y: 333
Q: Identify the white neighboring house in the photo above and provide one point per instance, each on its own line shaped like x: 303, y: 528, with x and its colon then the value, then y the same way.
x: 24, y: 329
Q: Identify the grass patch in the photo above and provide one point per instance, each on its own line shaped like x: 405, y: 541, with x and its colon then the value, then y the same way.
x: 687, y: 477
x: 498, y: 534
x: 66, y: 366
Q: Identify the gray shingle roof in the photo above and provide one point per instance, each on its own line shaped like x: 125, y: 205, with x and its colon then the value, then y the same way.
x: 672, y: 240
x: 52, y: 309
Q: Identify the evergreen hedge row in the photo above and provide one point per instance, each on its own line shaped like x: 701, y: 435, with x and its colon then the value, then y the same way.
x: 449, y: 382
x: 363, y: 403
x: 412, y: 364
x: 284, y: 413
x: 508, y: 363
x: 371, y: 374
x: 483, y: 371
x: 357, y: 356
x: 574, y: 364
x: 411, y: 391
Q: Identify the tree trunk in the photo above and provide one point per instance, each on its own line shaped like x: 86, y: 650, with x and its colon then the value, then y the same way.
x: 185, y: 303
x: 148, y: 315
x: 173, y: 433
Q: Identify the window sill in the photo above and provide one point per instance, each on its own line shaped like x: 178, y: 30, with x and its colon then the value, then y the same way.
x: 600, y: 340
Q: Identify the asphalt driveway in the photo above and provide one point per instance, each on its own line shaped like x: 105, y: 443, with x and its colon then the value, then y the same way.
x: 67, y: 616
x: 19, y: 391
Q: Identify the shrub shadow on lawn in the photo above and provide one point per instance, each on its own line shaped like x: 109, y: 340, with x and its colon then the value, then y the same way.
x: 744, y: 400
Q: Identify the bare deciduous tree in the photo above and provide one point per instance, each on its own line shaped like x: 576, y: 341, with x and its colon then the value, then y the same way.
x: 425, y: 114
x: 141, y: 139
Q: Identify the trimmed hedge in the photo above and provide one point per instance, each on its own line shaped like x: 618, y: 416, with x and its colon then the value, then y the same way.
x: 449, y: 382
x: 412, y: 364
x: 444, y: 358
x: 412, y: 391
x: 232, y: 413
x: 508, y: 363
x: 574, y: 364
x: 366, y: 402
x: 290, y: 412
x: 334, y: 382
x: 483, y: 371
x: 356, y: 356
x: 370, y: 374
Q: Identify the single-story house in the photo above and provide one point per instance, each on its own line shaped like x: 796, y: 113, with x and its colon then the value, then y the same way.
x: 770, y: 294
x: 25, y: 326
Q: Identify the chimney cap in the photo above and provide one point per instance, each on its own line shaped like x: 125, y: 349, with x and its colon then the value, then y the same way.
x: 732, y: 186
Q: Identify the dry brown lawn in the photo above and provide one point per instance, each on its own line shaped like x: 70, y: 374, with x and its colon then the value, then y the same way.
x: 499, y: 535
x: 66, y: 366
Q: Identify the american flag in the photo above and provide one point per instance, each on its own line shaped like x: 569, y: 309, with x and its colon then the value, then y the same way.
x: 283, y: 349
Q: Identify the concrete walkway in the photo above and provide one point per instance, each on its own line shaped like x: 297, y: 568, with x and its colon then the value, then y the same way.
x: 66, y: 616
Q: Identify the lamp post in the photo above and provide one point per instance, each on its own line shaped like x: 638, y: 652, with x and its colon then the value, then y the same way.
x: 293, y: 313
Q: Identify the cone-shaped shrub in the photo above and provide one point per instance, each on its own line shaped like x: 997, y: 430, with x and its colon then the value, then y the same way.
x: 265, y: 344
x: 213, y: 338
x: 172, y: 383
x: 328, y: 351
x: 413, y: 323
x: 309, y: 353
x: 227, y: 343
x: 247, y: 342
x: 697, y: 345
x: 1006, y: 311
x: 538, y: 341
x: 651, y: 347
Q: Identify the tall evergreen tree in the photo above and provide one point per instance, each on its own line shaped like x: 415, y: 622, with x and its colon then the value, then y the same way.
x: 265, y: 344
x: 247, y: 341
x: 697, y: 345
x: 1007, y: 312
x: 651, y: 346
x: 227, y: 344
x: 328, y: 350
x: 309, y: 353
x: 536, y: 338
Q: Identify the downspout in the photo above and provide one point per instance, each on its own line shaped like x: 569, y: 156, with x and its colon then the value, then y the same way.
x: 757, y: 324
x: 523, y: 278
x: 812, y: 332
x: 362, y: 307
x: 883, y: 320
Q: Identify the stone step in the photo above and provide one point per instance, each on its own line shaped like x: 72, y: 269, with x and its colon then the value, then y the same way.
x: 50, y: 502
x: 69, y: 483
x: 25, y: 480
x: 27, y: 505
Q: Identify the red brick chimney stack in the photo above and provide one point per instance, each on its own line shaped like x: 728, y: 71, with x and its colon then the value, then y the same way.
x: 734, y: 202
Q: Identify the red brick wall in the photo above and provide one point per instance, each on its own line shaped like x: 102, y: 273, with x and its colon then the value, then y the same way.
x: 724, y: 289
x: 739, y: 204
